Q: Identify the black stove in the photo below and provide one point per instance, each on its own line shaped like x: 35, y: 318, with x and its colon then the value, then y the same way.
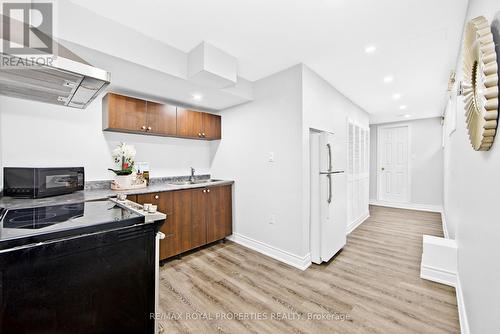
x: 85, y: 267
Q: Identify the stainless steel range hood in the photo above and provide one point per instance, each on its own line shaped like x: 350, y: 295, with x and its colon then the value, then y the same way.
x: 64, y: 79
x: 64, y: 82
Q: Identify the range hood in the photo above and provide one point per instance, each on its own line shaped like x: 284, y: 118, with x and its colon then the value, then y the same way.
x: 65, y: 79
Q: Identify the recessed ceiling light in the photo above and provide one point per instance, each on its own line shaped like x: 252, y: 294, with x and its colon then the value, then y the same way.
x: 197, y: 97
x: 388, y: 79
x: 403, y: 107
x: 370, y: 49
x: 396, y: 96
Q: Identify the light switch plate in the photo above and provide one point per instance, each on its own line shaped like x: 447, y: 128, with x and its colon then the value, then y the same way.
x: 271, y: 157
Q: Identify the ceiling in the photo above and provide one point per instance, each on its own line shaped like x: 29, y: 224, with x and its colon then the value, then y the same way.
x: 417, y: 42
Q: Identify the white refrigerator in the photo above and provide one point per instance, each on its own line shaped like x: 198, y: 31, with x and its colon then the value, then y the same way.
x: 328, y: 195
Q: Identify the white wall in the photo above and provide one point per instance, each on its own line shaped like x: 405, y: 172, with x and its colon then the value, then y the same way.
x: 271, y: 123
x: 426, y: 159
x: 472, y: 194
x: 39, y: 134
x: 325, y: 109
x: 286, y: 105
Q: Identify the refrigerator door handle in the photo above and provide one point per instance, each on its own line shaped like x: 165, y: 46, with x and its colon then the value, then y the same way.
x: 329, y: 157
x: 329, y: 200
x: 328, y: 173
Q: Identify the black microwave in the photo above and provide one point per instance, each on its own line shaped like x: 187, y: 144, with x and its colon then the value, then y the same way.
x: 42, y: 182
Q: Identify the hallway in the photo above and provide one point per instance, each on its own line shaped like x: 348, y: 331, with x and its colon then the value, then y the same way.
x: 372, y: 286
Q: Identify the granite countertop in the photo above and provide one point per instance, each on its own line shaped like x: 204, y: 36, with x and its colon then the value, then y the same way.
x: 101, y: 190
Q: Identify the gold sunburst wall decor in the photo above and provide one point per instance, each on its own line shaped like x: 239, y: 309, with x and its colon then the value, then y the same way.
x: 480, y: 86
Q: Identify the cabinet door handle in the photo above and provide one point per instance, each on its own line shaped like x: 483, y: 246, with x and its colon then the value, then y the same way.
x: 208, y: 190
x: 143, y: 127
x: 199, y: 134
x: 203, y: 134
x: 204, y: 190
x: 149, y: 128
x: 156, y: 196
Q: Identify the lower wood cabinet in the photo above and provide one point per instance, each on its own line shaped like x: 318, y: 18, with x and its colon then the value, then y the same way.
x: 195, y: 217
x: 169, y: 246
x: 219, y: 217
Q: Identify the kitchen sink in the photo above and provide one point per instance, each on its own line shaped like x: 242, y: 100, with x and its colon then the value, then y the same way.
x: 182, y: 183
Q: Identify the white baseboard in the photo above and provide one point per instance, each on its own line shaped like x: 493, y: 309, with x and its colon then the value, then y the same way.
x: 353, y: 225
x: 462, y: 314
x: 438, y: 275
x: 445, y: 225
x: 452, y: 279
x: 409, y: 206
x: 293, y: 260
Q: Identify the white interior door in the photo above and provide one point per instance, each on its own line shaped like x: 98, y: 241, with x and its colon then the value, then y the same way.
x: 393, y: 164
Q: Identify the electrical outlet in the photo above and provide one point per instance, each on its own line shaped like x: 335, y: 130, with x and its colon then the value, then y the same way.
x: 272, y: 221
x: 271, y: 157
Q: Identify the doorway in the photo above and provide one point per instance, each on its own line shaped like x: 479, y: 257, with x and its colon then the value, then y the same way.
x: 393, y: 163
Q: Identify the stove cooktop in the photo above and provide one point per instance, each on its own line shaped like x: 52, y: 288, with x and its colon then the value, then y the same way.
x: 35, y: 218
x: 39, y: 224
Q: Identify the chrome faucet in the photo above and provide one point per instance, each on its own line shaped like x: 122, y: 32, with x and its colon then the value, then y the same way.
x: 191, y: 178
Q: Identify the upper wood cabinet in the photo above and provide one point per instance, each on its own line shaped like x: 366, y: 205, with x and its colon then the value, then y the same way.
x: 189, y: 123
x: 124, y: 113
x: 195, y: 124
x: 161, y: 119
x: 128, y: 114
x: 211, y: 126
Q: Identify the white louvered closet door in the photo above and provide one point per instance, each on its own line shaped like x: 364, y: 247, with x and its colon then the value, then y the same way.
x: 358, y: 171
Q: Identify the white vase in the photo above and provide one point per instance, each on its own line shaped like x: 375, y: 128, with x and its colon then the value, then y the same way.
x: 123, y: 181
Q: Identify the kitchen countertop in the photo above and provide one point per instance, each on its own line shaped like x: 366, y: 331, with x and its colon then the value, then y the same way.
x: 99, y: 194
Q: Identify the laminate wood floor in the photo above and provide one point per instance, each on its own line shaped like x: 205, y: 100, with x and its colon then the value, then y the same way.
x: 372, y: 286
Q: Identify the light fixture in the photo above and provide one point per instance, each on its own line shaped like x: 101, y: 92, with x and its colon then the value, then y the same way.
x: 388, y: 79
x: 403, y: 107
x: 406, y: 115
x: 370, y: 49
x: 197, y: 97
x: 396, y: 96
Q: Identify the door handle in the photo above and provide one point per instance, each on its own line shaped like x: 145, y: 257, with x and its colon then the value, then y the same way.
x: 329, y: 200
x: 329, y: 157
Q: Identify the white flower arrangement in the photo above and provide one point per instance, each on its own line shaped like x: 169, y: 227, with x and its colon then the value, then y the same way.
x: 124, y: 155
x: 125, y: 151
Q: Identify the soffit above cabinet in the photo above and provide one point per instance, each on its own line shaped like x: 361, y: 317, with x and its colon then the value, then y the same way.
x: 130, y: 78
